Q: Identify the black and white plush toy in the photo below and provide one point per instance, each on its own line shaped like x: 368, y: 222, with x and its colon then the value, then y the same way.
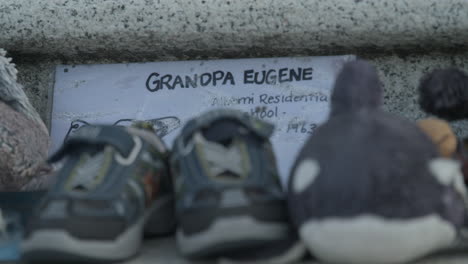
x: 368, y: 186
x: 24, y: 139
x: 444, y: 93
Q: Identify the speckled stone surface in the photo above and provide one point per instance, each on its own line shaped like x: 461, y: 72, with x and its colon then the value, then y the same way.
x: 401, y: 76
x: 38, y: 81
x: 181, y: 28
x: 164, y: 251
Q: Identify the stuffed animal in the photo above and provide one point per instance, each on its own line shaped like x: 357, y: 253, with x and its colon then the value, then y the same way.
x: 369, y: 186
x: 444, y: 93
x: 441, y: 135
x: 24, y: 139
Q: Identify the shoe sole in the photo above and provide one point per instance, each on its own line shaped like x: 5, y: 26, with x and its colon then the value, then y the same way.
x: 56, y: 245
x: 62, y: 247
x: 374, y: 239
x: 291, y: 252
x: 161, y: 218
x: 230, y: 234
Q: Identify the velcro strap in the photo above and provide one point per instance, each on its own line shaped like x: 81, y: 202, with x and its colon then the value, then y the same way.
x: 116, y: 136
x: 259, y: 127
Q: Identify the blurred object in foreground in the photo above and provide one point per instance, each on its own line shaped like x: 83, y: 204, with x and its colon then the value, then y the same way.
x: 440, y: 132
x: 369, y: 186
x: 24, y: 139
x: 10, y: 236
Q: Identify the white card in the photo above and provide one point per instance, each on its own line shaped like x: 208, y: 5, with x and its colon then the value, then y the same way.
x: 293, y: 93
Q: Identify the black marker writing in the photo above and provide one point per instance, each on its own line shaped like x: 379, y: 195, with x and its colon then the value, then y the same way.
x: 156, y: 82
x: 277, y: 76
x: 301, y: 127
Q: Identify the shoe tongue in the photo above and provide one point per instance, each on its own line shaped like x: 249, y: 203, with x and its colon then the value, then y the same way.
x: 221, y: 150
x: 223, y: 131
x: 90, y: 171
x: 228, y: 176
x: 224, y: 162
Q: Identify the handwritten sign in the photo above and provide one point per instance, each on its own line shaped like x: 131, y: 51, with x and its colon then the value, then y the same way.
x: 293, y: 93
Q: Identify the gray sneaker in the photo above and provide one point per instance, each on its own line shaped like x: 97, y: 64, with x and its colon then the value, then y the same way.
x: 229, y: 200
x: 113, y: 186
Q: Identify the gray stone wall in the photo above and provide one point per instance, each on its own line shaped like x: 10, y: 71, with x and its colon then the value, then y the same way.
x: 124, y: 28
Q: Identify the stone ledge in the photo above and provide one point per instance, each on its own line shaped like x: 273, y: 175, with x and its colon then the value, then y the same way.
x: 162, y: 251
x: 70, y: 29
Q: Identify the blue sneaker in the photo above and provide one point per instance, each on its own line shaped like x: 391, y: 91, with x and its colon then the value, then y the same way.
x: 112, y: 187
x: 229, y: 200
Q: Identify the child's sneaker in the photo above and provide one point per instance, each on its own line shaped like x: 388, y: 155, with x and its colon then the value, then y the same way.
x: 113, y: 180
x: 229, y: 197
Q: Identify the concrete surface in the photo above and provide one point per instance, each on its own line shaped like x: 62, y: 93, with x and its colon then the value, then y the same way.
x: 122, y: 28
x: 164, y: 251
